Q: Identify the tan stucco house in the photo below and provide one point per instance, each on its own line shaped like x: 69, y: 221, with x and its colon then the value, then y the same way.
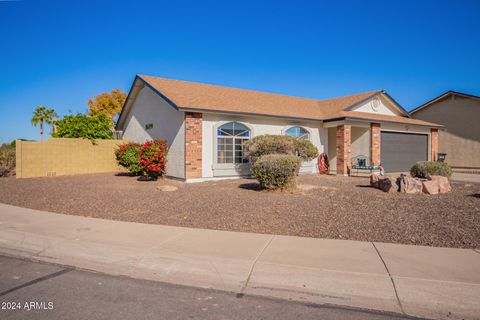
x: 459, y: 113
x: 206, y: 126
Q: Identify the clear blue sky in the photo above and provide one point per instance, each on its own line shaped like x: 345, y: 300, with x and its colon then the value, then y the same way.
x: 61, y: 53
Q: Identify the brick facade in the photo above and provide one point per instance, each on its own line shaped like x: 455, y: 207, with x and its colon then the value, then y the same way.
x: 375, y: 144
x: 434, y: 144
x: 193, y: 145
x: 343, y: 141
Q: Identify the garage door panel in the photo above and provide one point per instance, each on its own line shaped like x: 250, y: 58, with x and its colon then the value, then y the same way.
x: 399, y: 151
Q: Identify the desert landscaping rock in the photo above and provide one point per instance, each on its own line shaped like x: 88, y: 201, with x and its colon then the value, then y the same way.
x: 388, y: 184
x: 409, y: 185
x: 341, y: 208
x: 430, y: 187
x: 443, y: 183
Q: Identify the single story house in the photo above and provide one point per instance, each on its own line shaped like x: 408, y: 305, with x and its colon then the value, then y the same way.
x: 206, y: 126
x: 459, y: 113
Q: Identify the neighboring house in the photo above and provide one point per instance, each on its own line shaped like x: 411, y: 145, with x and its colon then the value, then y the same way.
x: 206, y: 126
x: 459, y: 113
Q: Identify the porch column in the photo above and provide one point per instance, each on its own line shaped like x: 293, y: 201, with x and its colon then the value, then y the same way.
x: 193, y: 145
x: 343, y: 141
x: 375, y: 144
x: 434, y: 144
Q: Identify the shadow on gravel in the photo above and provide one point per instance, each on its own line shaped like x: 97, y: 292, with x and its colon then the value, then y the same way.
x: 365, y: 186
x: 475, y: 195
x: 251, y: 186
x: 124, y: 174
x: 145, y: 179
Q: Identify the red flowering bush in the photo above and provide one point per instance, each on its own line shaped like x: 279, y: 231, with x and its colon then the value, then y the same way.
x: 153, y: 158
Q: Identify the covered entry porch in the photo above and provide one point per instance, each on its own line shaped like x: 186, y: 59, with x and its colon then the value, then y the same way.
x: 394, y: 146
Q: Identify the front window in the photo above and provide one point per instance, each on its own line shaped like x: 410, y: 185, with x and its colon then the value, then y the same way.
x: 298, y: 132
x: 231, y: 138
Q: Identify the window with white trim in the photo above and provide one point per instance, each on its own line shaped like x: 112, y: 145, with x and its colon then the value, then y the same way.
x: 298, y: 132
x: 231, y: 138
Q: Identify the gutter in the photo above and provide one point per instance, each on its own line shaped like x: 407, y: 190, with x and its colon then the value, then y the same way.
x: 384, y: 121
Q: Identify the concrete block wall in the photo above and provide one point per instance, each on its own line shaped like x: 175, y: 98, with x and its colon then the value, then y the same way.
x: 65, y: 156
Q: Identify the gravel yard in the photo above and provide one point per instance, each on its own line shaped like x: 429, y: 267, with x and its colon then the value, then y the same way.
x: 323, y: 207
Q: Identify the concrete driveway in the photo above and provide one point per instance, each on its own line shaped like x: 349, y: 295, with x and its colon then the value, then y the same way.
x: 466, y: 177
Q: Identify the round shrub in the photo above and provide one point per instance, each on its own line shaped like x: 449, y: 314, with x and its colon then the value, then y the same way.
x: 276, y: 171
x: 423, y: 169
x: 153, y: 158
x: 128, y: 156
x: 305, y: 149
x: 279, y: 144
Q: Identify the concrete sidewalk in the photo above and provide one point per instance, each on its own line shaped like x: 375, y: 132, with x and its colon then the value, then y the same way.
x: 413, y: 280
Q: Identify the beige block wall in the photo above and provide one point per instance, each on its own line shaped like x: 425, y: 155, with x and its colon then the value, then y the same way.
x: 63, y: 156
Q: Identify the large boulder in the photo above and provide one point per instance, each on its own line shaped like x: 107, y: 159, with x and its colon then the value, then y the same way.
x: 430, y: 186
x: 388, y: 184
x: 442, y: 182
x: 409, y: 185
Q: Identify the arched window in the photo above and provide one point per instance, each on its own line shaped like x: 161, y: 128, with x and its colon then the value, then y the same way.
x: 230, y: 143
x: 298, y: 132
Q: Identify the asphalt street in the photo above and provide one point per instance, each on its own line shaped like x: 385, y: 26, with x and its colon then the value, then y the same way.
x: 32, y: 290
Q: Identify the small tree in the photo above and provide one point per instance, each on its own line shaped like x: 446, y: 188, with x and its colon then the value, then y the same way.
x: 109, y: 104
x: 84, y: 126
x: 42, y: 115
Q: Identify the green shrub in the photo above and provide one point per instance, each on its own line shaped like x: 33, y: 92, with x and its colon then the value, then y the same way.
x: 94, y: 127
x: 276, y: 171
x: 128, y: 156
x: 423, y: 169
x: 305, y: 149
x: 279, y: 144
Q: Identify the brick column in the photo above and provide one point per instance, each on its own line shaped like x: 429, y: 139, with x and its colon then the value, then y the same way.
x: 375, y: 144
x: 193, y: 145
x: 434, y: 144
x: 343, y: 140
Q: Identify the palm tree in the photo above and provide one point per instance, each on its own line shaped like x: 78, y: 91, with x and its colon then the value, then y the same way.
x: 41, y: 115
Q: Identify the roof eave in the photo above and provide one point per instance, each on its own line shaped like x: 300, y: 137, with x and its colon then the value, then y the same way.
x: 247, y: 114
x: 129, y: 97
x: 346, y: 118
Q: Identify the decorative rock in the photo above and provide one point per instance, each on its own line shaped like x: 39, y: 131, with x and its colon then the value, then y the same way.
x: 167, y: 188
x: 443, y: 183
x: 388, y: 184
x: 409, y: 185
x: 430, y: 187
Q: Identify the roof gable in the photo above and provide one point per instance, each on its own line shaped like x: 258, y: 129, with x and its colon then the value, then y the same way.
x: 380, y: 103
x: 444, y: 96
